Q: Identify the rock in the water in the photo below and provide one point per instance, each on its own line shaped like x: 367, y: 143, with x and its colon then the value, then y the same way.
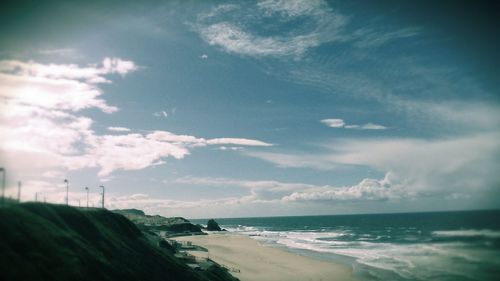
x: 212, y: 225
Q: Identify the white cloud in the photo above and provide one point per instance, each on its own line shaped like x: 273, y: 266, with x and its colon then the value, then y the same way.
x: 29, y: 93
x: 463, y: 164
x: 234, y: 148
x: 340, y: 123
x: 367, y: 189
x: 367, y: 126
x: 388, y: 188
x: 127, y: 152
x: 334, y: 123
x: 237, y: 141
x: 92, y: 74
x: 138, y: 151
x: 116, y: 65
x: 118, y: 129
x: 371, y: 126
x: 173, y: 138
x: 43, y: 129
x: 162, y: 113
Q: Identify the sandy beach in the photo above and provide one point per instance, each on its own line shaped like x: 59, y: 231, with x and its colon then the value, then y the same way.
x: 257, y: 262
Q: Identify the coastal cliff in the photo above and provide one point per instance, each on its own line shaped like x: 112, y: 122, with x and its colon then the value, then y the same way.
x: 55, y: 242
x: 156, y: 223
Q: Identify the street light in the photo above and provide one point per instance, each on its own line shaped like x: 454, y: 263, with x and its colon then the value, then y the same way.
x: 87, y: 189
x: 102, y: 186
x: 3, y: 184
x: 67, y: 188
x: 19, y: 191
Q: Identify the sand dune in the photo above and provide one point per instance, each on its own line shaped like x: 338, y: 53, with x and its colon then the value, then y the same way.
x: 257, y: 262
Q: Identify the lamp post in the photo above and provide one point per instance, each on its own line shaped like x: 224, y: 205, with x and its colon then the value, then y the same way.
x: 3, y: 184
x: 87, y: 189
x: 102, y: 186
x: 19, y: 191
x: 67, y: 188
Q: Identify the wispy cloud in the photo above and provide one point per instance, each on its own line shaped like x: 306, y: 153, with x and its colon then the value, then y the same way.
x: 118, y: 129
x: 234, y: 148
x: 370, y: 38
x: 293, y: 8
x: 295, y: 160
x: 340, y: 123
x: 371, y: 126
x: 235, y: 37
x: 61, y: 52
x: 233, y: 28
x: 333, y: 123
x: 162, y: 113
x: 237, y: 141
x: 235, y: 40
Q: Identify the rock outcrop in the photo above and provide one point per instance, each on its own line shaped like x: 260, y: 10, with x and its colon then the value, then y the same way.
x: 212, y: 225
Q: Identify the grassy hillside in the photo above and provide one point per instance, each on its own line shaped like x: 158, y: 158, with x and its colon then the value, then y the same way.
x: 54, y: 242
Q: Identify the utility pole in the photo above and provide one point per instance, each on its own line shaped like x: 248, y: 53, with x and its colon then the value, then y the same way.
x: 36, y: 196
x: 67, y: 188
x: 19, y: 191
x: 87, y: 189
x: 3, y: 184
x: 102, y: 186
x: 79, y: 203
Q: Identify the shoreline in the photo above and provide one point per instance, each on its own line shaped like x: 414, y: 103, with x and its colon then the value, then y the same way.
x: 249, y: 260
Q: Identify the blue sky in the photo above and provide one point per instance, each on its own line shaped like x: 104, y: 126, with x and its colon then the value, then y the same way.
x: 228, y: 109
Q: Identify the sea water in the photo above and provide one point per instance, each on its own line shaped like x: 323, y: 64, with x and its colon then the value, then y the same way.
x: 412, y: 246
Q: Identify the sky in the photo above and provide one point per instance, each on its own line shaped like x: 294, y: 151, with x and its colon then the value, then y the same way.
x: 252, y: 108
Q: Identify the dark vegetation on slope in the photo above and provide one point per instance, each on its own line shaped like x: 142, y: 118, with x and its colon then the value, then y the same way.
x: 54, y: 242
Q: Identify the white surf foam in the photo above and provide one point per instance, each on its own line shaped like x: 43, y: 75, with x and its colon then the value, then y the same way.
x: 468, y: 233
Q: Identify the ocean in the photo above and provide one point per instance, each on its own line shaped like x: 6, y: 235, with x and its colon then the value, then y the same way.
x: 456, y: 246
